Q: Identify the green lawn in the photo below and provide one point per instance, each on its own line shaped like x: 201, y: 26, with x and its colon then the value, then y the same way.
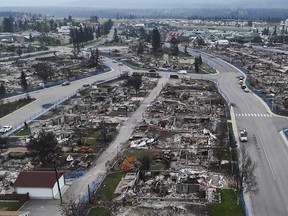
x: 228, y: 207
x: 139, y: 154
x: 9, y: 206
x: 99, y: 211
x: 205, y: 68
x: 106, y: 192
x: 23, y: 132
x: 10, y: 107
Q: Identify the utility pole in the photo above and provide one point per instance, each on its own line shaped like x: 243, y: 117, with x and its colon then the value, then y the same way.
x: 59, y: 190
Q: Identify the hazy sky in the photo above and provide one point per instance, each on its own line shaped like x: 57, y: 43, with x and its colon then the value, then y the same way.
x: 149, y: 3
x: 32, y: 2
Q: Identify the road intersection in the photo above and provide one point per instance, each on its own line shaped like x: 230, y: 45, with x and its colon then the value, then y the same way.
x: 265, y: 144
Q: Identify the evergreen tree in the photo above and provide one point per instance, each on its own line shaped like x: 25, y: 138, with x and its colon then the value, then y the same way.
x: 81, y: 35
x: 94, y: 58
x: 2, y: 90
x: 156, y: 40
x: 142, y: 34
x: 275, y: 30
x: 44, y: 71
x: 98, y: 31
x: 283, y: 30
x: 45, y: 146
x: 8, y: 24
x: 90, y: 33
x: 23, y: 82
x: 196, y: 64
x: 86, y: 34
x: 94, y: 18
x: 140, y: 48
x: 115, y: 36
x: 174, y: 45
x: 200, y: 60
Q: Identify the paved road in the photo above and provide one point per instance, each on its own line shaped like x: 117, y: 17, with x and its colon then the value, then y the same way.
x: 265, y: 144
x: 52, y: 95
x: 125, y: 132
x: 80, y: 185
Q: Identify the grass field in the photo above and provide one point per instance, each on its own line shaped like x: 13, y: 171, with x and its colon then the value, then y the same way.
x: 10, y: 107
x: 106, y: 192
x: 23, y: 132
x: 229, y: 205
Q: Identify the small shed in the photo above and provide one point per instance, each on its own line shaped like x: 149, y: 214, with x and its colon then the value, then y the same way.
x: 39, y: 184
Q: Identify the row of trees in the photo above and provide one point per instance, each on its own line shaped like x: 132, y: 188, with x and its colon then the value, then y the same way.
x: 81, y: 35
x: 8, y: 24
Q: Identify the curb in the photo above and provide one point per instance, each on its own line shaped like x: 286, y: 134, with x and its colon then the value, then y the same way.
x: 266, y: 106
x: 246, y: 196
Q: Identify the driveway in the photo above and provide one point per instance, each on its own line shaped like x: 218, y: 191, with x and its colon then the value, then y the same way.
x: 42, y: 207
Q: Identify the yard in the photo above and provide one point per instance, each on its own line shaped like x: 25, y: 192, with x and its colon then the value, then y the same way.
x: 228, y: 206
x: 106, y: 192
x: 9, y: 206
x: 23, y: 132
x: 10, y: 107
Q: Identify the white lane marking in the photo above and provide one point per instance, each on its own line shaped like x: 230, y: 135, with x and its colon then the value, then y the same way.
x: 272, y: 171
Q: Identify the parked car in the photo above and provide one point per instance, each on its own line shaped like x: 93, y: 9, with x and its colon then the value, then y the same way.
x: 5, y: 129
x: 241, y: 78
x: 86, y: 85
x: 243, y: 86
x: 246, y: 90
x: 114, y: 61
x: 120, y: 63
x: 65, y: 83
x: 182, y: 72
x: 152, y: 70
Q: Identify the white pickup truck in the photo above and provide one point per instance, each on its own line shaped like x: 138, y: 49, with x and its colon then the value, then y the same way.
x: 243, y: 135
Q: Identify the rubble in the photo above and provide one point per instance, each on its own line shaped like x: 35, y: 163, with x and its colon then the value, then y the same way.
x: 180, y: 135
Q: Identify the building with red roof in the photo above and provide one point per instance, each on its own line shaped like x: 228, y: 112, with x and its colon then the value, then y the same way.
x: 39, y: 184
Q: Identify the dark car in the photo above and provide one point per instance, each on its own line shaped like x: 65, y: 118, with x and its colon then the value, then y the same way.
x: 65, y: 83
x: 86, y: 85
x: 152, y: 70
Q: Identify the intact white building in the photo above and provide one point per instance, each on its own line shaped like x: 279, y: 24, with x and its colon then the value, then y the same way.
x: 39, y: 184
